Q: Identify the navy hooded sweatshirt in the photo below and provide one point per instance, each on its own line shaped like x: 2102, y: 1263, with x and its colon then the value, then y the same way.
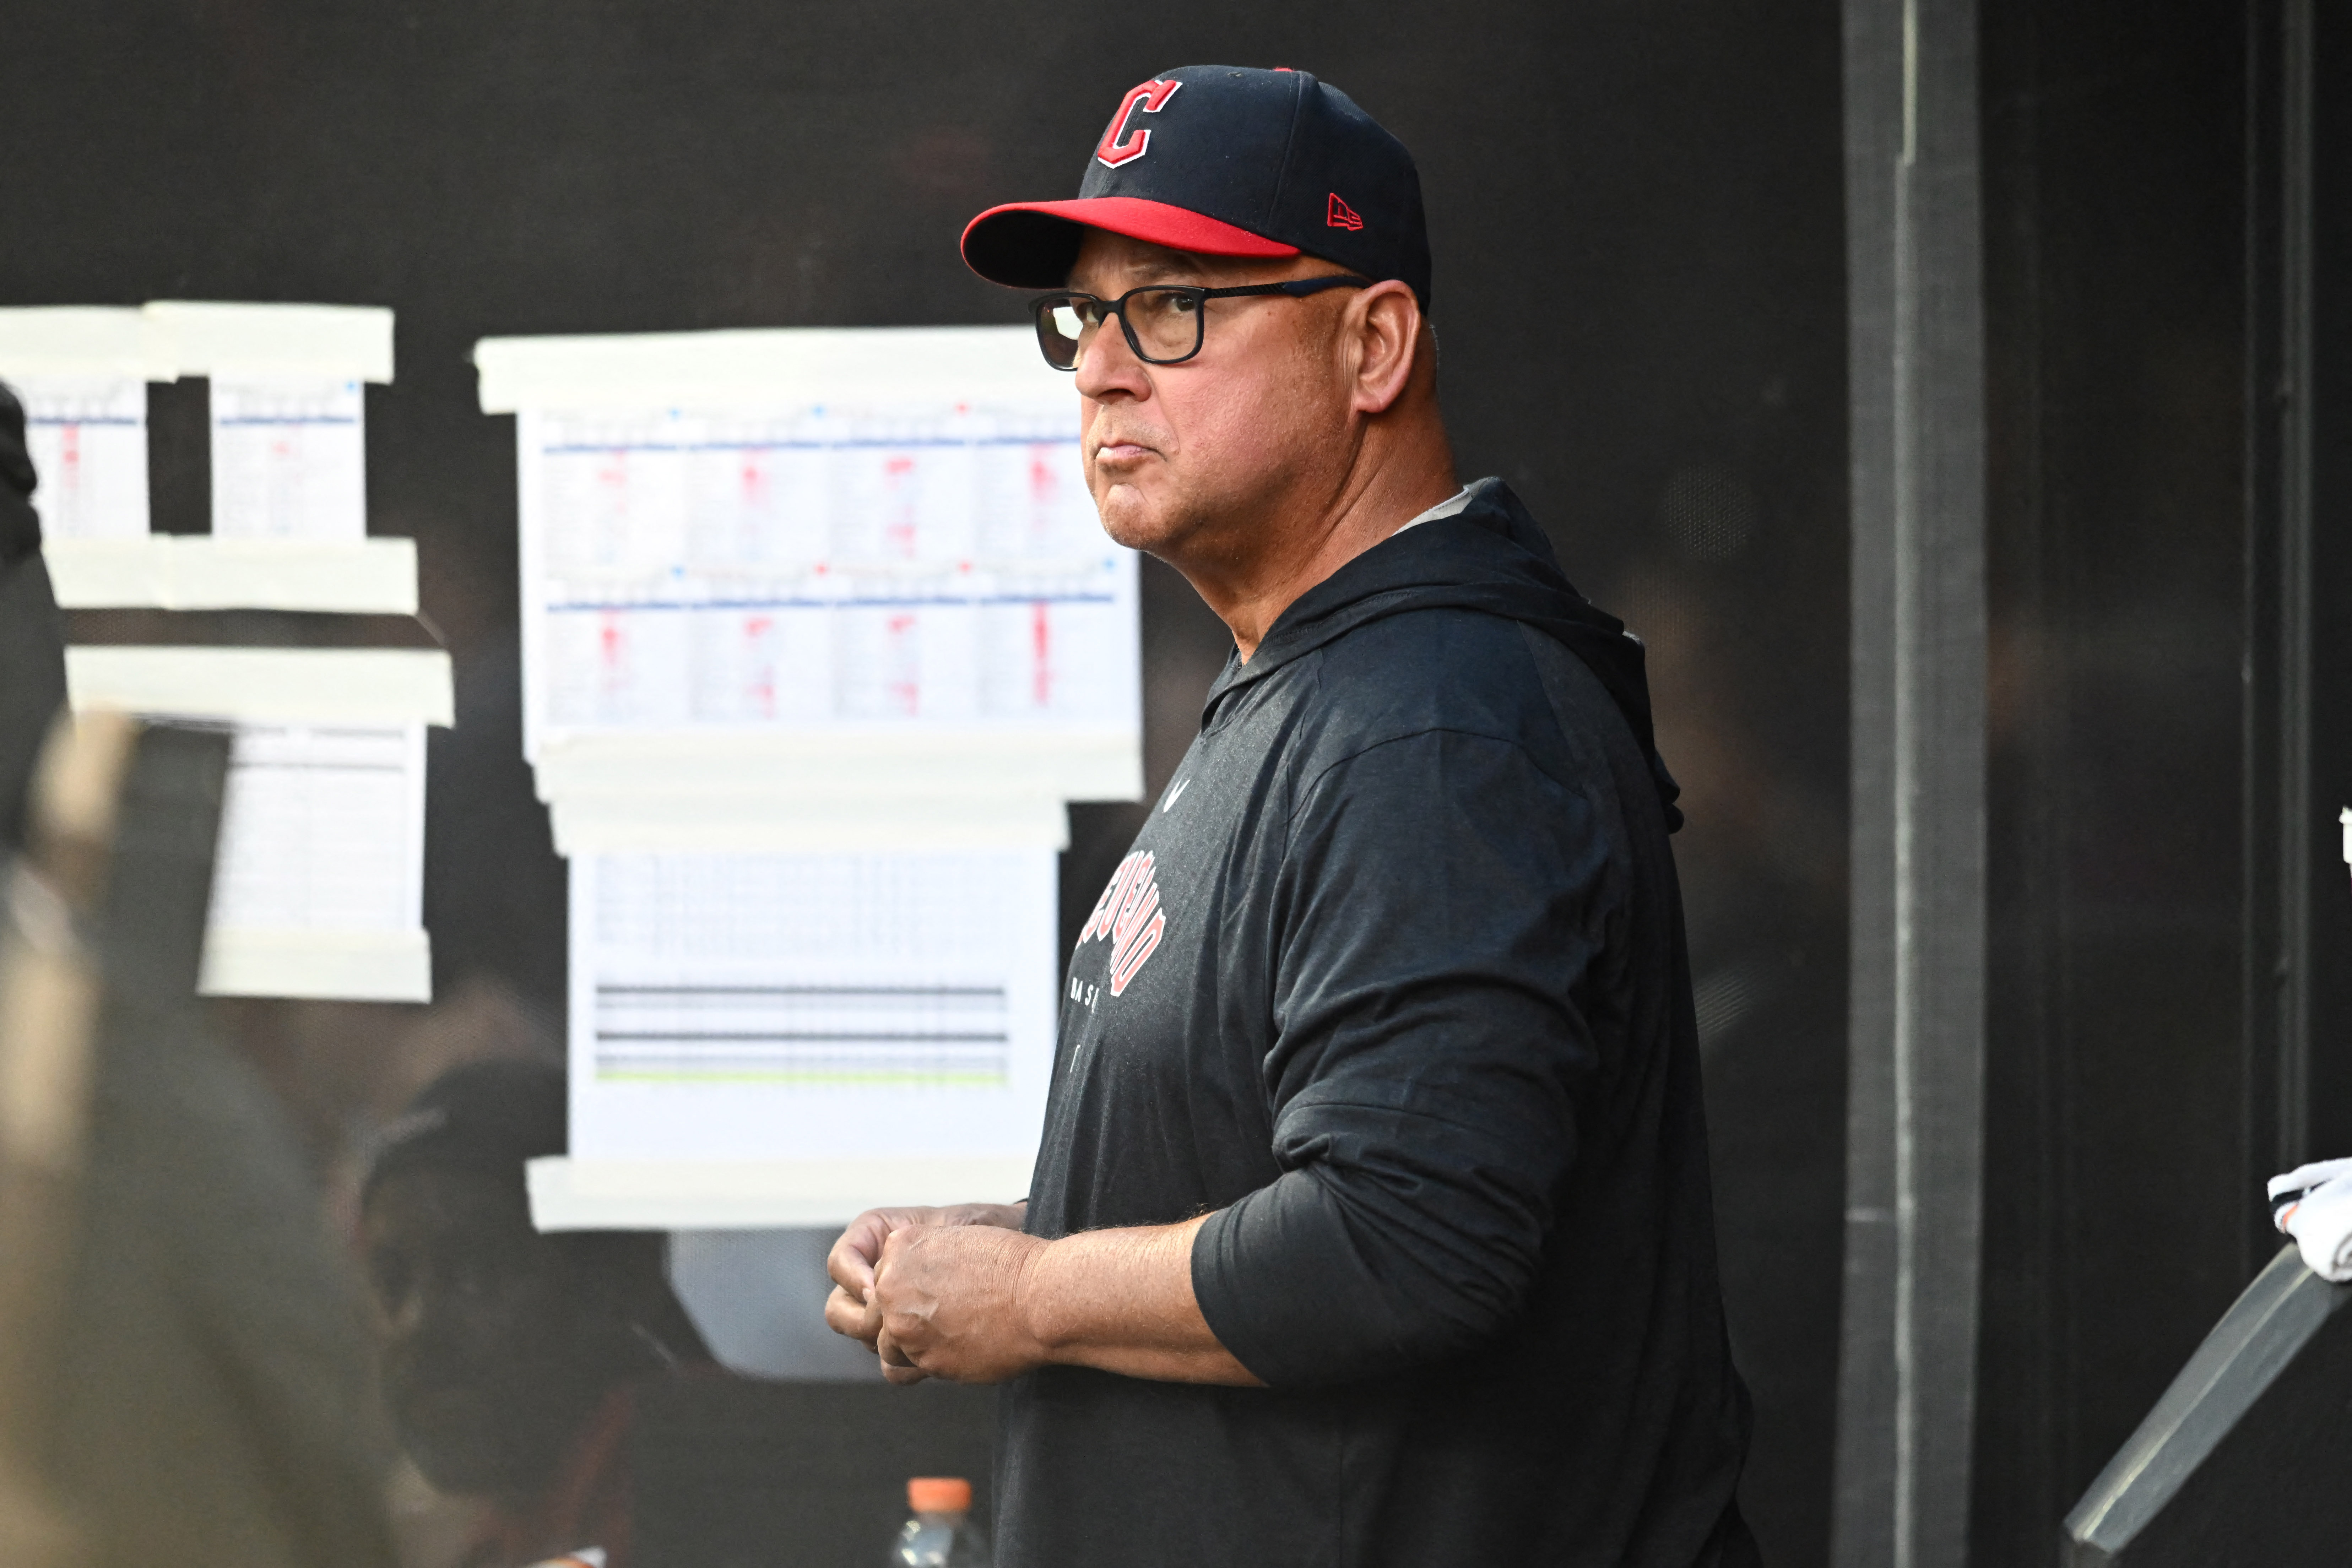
x: 1394, y: 987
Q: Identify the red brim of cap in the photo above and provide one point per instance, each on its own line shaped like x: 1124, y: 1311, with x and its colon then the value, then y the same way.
x: 1032, y: 245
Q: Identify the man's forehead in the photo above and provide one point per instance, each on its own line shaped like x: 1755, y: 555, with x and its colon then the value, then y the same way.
x: 1104, y: 255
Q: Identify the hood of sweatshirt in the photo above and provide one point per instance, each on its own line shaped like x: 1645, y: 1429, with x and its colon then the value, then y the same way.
x: 1490, y: 556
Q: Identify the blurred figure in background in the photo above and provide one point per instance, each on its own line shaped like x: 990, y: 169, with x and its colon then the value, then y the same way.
x: 32, y: 688
x: 205, y: 1399
x: 32, y: 636
x: 511, y: 1357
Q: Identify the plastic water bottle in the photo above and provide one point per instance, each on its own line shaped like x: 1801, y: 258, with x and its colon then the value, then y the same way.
x: 940, y: 1534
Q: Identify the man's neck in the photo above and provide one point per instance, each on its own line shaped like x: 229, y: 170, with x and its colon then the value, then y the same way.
x: 1380, y: 498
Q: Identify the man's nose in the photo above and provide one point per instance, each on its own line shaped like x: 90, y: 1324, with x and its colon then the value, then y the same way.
x: 1106, y: 364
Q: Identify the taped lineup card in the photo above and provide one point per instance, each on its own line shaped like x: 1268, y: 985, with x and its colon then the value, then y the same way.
x: 323, y: 826
x: 830, y: 567
x: 318, y: 886
x: 88, y: 439
x: 289, y: 459
x: 761, y: 1007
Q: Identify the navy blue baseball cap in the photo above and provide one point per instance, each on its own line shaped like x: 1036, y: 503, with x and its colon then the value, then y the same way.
x: 1227, y: 161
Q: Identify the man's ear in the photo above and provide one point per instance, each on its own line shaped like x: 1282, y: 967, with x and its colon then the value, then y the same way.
x: 1385, y: 325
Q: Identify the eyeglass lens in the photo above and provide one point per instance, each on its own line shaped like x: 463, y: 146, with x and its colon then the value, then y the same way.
x: 1162, y: 325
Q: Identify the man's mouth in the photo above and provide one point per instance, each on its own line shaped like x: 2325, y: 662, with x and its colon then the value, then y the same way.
x: 1113, y: 453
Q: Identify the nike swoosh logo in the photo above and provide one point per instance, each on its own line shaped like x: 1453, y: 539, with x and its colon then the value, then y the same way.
x: 1182, y: 785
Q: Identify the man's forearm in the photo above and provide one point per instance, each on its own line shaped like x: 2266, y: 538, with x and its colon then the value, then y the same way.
x: 1122, y: 1302
x: 957, y: 1293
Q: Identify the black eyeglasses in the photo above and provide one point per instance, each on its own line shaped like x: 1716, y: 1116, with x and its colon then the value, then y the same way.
x: 1164, y: 323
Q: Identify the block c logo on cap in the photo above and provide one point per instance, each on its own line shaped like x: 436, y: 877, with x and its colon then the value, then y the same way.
x: 1120, y: 146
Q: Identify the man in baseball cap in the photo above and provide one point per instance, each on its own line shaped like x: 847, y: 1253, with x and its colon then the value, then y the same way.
x: 1371, y: 1223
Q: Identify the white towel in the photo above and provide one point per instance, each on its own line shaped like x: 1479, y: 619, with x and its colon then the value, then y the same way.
x: 2313, y: 1204
x: 2302, y: 1178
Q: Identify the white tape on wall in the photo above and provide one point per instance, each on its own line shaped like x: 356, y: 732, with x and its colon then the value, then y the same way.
x: 784, y: 365
x: 359, y: 686
x: 346, y: 966
x: 196, y: 571
x: 293, y: 341
x: 750, y: 1194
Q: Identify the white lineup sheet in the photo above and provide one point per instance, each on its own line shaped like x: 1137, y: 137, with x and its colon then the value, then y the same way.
x: 88, y: 438
x: 289, y: 459
x: 817, y: 568
x: 804, y: 1006
x: 322, y: 829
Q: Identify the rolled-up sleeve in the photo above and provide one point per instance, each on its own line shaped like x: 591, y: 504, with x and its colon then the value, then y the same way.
x: 1441, y: 906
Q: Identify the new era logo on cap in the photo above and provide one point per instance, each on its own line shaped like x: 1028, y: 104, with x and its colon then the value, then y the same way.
x: 1227, y: 161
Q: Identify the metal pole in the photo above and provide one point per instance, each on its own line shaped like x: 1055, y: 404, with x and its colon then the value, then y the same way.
x: 1916, y: 1086
x: 2299, y: 843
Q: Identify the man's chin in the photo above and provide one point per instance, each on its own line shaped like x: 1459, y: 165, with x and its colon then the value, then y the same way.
x: 1138, y: 521
x: 1126, y: 532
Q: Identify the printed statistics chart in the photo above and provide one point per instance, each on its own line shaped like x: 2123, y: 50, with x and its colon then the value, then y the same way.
x: 825, y: 1004
x: 828, y: 567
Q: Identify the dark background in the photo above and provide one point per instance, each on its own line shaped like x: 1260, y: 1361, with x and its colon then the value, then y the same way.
x: 1635, y: 212
x: 2119, y: 1067
x: 2145, y: 938
x: 2331, y: 489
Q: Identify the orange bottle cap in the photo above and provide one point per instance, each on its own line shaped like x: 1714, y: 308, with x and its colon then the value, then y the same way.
x: 938, y: 1494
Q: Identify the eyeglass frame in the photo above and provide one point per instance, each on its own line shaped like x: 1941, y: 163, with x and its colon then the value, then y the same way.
x: 1296, y: 288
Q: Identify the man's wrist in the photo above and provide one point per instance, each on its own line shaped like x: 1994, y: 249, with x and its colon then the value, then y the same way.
x: 1032, y: 1303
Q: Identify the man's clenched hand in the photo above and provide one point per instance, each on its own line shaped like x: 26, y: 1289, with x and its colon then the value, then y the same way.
x: 853, y: 1258
x: 948, y: 1301
x: 852, y: 1308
